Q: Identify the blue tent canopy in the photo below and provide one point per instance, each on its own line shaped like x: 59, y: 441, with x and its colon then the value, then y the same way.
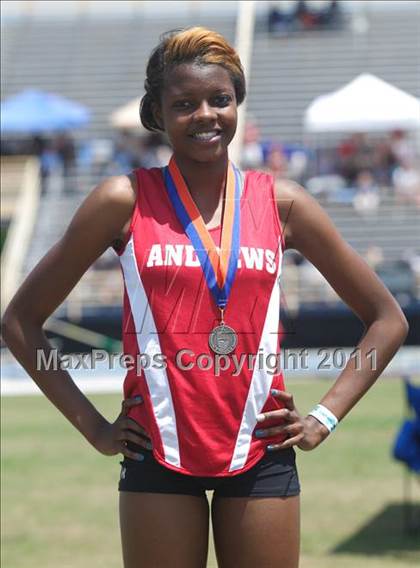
x: 36, y: 111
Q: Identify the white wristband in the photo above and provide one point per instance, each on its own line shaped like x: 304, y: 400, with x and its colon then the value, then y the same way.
x: 325, y: 416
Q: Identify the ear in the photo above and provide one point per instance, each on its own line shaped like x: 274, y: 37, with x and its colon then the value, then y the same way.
x: 157, y: 114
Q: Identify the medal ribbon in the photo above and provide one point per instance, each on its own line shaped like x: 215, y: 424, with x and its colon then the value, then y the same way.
x: 219, y: 270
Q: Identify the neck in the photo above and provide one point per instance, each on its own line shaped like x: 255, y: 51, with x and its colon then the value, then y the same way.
x: 205, y: 180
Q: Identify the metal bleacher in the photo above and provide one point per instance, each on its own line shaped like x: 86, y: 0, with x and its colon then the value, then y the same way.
x: 100, y: 63
x: 287, y: 73
x: 394, y: 228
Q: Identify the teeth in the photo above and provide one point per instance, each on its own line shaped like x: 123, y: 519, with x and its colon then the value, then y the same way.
x: 205, y: 135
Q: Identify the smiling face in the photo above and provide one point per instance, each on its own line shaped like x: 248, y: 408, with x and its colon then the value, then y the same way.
x: 198, y: 111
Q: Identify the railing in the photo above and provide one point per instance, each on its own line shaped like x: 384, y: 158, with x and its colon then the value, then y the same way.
x: 23, y: 215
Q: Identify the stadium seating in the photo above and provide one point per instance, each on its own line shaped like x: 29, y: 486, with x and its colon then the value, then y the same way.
x: 288, y: 73
x: 101, y: 63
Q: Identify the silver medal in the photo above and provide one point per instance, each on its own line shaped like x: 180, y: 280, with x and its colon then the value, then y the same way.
x: 223, y: 339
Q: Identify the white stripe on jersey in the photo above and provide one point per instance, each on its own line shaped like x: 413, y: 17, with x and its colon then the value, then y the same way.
x: 148, y: 342
x: 261, y: 381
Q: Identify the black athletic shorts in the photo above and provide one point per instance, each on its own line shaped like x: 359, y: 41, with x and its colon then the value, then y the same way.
x: 275, y: 475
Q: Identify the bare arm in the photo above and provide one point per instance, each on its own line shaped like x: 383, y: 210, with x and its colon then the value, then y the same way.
x: 101, y: 219
x: 308, y: 229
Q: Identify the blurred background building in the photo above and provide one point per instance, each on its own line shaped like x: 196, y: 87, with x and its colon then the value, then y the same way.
x: 72, y: 78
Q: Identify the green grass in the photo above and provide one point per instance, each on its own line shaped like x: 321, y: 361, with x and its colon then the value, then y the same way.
x: 60, y: 498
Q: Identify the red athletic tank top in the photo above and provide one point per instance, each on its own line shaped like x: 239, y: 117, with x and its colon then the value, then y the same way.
x: 199, y: 408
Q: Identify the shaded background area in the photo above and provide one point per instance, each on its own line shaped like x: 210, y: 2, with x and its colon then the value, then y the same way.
x: 392, y: 532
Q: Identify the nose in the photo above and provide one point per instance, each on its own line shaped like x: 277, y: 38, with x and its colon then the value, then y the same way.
x: 204, y: 112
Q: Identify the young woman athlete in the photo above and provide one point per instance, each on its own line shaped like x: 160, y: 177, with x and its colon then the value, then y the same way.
x: 187, y: 427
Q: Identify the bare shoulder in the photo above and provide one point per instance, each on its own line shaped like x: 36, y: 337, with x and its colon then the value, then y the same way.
x: 96, y: 224
x: 109, y: 205
x: 116, y: 191
x: 287, y: 188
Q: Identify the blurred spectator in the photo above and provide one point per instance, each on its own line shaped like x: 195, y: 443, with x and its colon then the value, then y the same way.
x: 282, y: 17
x: 50, y: 163
x: 324, y: 162
x: 66, y: 149
x: 252, y: 150
x: 380, y: 155
x: 290, y: 15
x: 318, y: 13
x: 128, y: 151
x: 298, y: 165
x: 126, y: 154
x: 412, y: 257
x: 355, y: 154
x: 374, y: 256
x: 101, y: 152
x: 406, y: 181
x: 330, y: 187
x: 390, y: 153
x: 384, y: 162
x: 307, y: 18
x: 277, y: 162
x: 154, y: 152
x: 38, y: 144
x: 347, y: 150
x: 401, y: 149
x: 367, y: 198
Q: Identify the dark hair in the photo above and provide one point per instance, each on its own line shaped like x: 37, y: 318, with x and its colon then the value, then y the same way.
x: 183, y: 46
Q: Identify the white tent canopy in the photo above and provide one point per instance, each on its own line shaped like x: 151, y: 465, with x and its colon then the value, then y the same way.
x: 365, y: 104
x: 127, y: 116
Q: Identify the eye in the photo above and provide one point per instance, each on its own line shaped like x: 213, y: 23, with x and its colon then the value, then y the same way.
x: 222, y: 100
x: 182, y: 104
